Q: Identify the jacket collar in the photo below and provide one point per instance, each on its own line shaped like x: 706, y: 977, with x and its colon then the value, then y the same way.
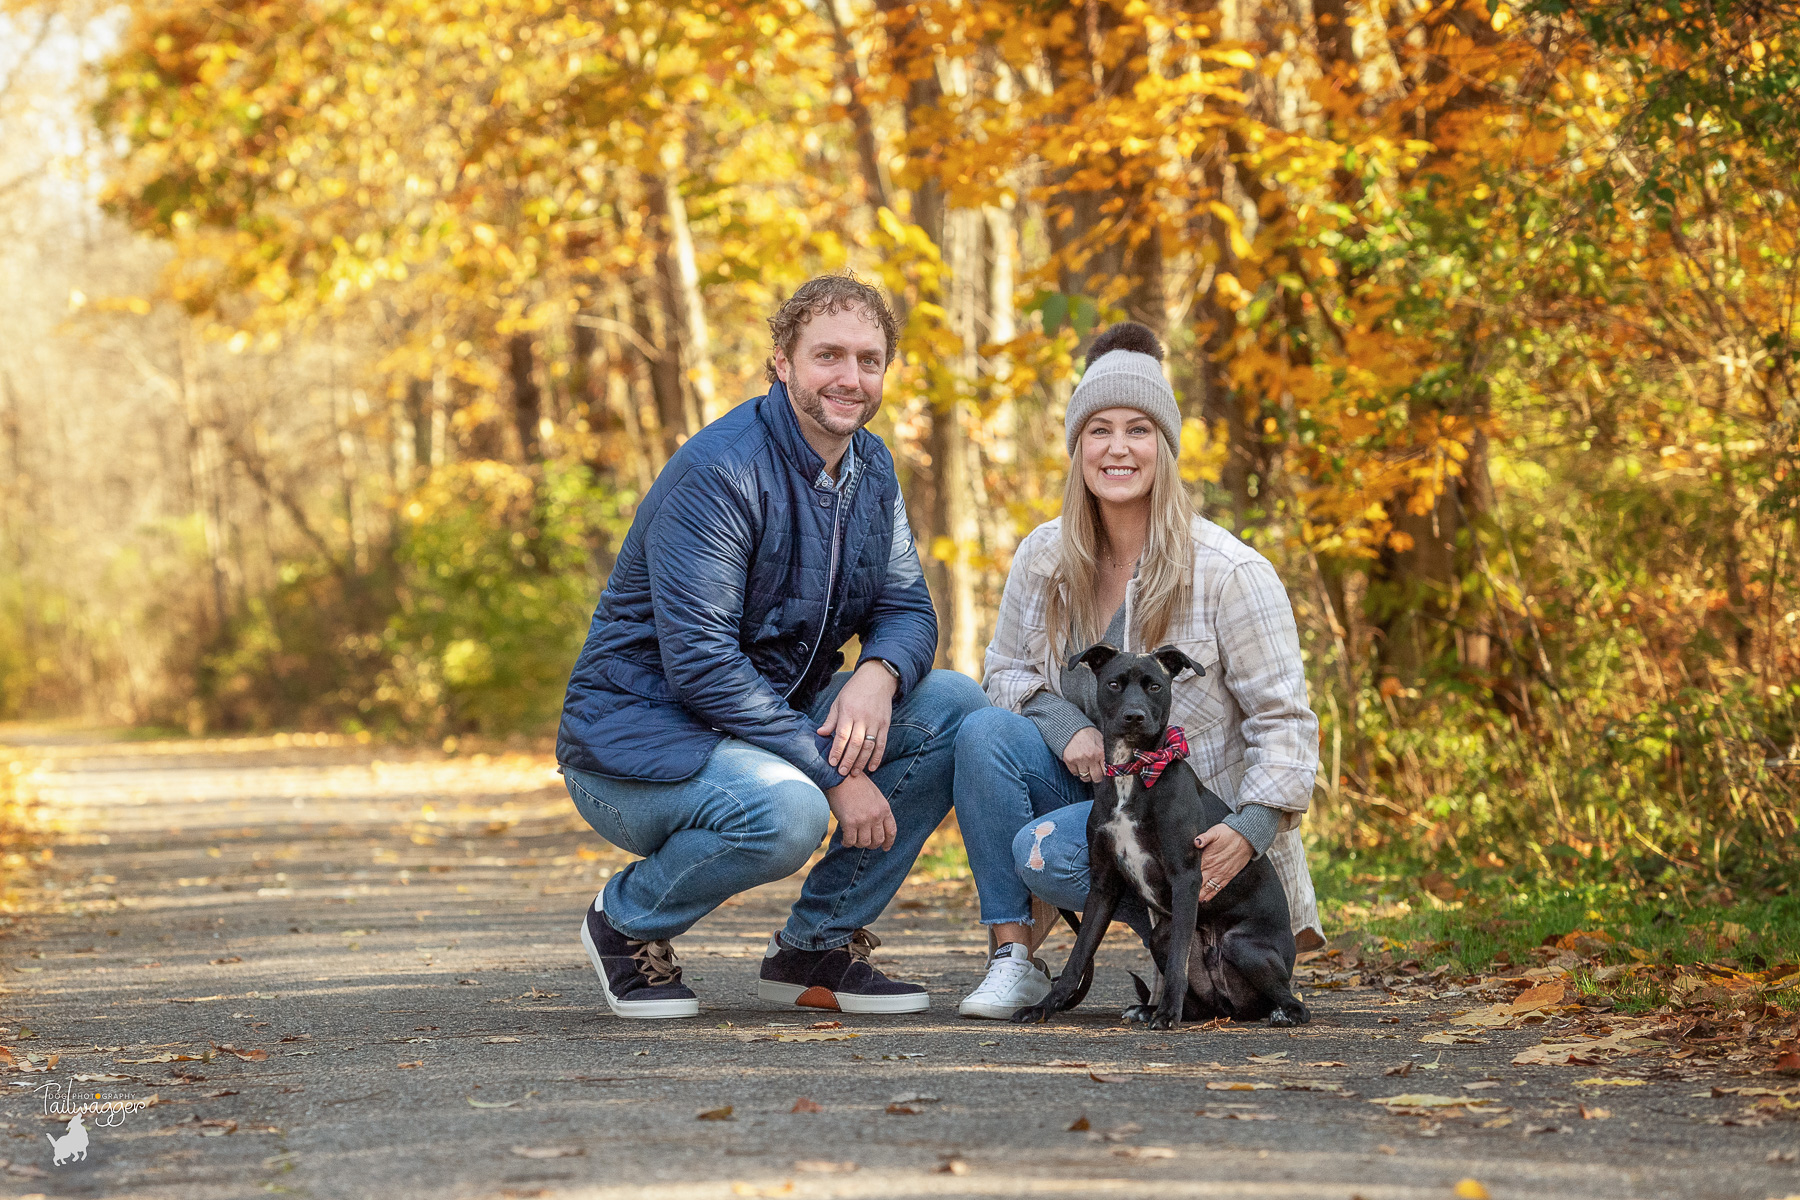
x: 776, y: 411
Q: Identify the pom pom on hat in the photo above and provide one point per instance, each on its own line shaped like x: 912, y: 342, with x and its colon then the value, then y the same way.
x: 1126, y: 335
x: 1124, y: 370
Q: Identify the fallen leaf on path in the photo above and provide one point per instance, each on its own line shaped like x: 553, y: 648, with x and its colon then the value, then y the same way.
x: 549, y: 1151
x: 1452, y: 1039
x: 407, y: 1066
x: 1470, y: 1189
x: 916, y: 1098
x: 1143, y: 1152
x: 494, y: 1041
x: 1402, y: 1070
x: 803, y: 1105
x: 1236, y: 1085
x: 254, y: 1055
x: 904, y: 1110
x: 1236, y: 1116
x: 1098, y: 1078
x: 1594, y: 1114
x: 1611, y: 1081
x: 105, y: 1078
x: 842, y: 1035
x: 1325, y: 1064
x: 784, y: 1188
x: 160, y: 1058
x: 195, y: 999
x: 1080, y: 1124
x: 1063, y: 1062
x: 1278, y: 1056
x: 1559, y: 1054
x: 230, y: 958
x: 951, y: 1166
x: 715, y: 1114
x: 826, y: 1025
x: 474, y: 1103
x: 823, y: 1166
x: 217, y: 1128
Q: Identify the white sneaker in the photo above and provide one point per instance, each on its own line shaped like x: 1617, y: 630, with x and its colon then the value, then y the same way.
x: 1014, y: 981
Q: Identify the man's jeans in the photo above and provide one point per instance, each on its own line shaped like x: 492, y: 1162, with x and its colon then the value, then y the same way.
x: 1024, y: 822
x: 750, y: 817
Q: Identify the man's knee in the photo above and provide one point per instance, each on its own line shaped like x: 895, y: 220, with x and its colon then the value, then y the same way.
x: 786, y: 823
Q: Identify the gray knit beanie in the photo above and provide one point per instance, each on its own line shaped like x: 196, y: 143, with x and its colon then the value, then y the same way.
x: 1124, y: 370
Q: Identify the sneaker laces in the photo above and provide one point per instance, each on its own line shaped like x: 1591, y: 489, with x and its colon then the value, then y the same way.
x: 862, y: 944
x: 655, y: 961
x: 1004, y: 972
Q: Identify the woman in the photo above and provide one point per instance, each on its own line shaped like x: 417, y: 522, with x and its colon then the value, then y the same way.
x: 1128, y: 563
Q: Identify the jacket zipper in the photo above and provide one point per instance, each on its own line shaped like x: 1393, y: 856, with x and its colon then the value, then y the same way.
x: 830, y: 586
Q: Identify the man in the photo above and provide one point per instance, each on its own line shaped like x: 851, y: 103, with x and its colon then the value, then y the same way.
x: 706, y: 728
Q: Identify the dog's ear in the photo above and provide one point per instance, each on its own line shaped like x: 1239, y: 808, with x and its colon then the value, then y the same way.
x: 1097, y: 656
x: 1174, y: 661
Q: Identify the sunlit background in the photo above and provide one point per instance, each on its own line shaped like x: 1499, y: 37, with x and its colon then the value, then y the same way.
x: 339, y: 340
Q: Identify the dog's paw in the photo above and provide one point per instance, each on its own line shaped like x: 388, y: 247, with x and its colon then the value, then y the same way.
x: 1165, y: 1020
x: 1294, y: 1014
x: 1036, y: 1014
x: 1137, y: 1012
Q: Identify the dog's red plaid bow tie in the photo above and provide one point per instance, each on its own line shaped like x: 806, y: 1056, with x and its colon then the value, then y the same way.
x: 1150, y: 764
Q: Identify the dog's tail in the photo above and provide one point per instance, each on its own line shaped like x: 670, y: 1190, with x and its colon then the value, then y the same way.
x: 1143, y: 989
x: 52, y: 1142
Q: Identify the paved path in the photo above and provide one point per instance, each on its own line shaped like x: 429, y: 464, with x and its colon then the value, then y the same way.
x: 386, y: 940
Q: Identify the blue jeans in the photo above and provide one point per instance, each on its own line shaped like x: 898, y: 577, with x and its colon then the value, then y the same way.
x: 1024, y: 821
x: 750, y: 817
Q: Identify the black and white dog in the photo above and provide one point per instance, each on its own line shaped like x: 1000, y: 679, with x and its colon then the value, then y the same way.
x: 1232, y: 956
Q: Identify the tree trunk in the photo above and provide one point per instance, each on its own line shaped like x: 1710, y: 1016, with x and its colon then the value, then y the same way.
x: 698, y: 348
x: 527, y: 398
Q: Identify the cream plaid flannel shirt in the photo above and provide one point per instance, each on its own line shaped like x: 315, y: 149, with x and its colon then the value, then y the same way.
x: 1252, y: 736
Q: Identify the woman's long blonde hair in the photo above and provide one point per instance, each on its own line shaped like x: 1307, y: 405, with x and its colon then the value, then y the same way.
x: 1165, y: 582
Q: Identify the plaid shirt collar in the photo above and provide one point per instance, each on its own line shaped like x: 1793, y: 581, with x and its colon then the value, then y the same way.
x: 848, y: 470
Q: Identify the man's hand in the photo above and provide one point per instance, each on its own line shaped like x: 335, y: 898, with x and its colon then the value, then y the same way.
x: 1223, y: 853
x: 1086, y: 755
x: 863, y: 815
x: 858, y: 721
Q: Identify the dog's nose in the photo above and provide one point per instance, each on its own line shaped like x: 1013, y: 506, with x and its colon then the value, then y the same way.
x: 1134, y: 717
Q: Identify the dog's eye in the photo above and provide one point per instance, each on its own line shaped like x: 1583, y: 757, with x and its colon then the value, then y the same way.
x: 1153, y: 687
x: 1112, y: 685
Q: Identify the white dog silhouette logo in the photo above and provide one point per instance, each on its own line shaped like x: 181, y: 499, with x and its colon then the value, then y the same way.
x: 72, y: 1144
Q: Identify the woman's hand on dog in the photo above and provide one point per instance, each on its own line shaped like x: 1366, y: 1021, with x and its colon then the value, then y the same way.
x: 858, y: 721
x: 1085, y: 755
x: 1223, y: 853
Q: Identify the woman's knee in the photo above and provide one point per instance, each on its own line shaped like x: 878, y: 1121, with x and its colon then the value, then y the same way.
x: 987, y: 734
x: 1051, y: 859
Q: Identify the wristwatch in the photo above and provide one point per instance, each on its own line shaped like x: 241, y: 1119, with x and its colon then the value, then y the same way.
x: 891, y: 668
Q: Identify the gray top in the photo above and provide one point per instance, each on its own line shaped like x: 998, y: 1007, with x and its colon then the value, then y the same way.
x: 1059, y: 720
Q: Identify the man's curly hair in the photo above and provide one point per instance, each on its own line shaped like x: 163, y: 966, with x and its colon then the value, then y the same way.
x: 823, y: 295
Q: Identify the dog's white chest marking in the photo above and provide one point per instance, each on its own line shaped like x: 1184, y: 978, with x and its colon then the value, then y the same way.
x: 1127, y: 840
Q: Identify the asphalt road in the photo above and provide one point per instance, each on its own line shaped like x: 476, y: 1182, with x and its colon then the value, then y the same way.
x: 386, y: 941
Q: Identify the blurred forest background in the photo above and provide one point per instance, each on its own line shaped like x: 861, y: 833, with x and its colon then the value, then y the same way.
x: 340, y: 338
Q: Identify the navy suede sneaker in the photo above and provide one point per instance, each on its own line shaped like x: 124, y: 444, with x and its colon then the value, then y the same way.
x: 841, y: 980
x: 641, y: 979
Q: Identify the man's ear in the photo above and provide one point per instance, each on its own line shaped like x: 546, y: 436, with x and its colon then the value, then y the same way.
x: 782, y: 367
x: 1174, y: 661
x: 1097, y: 656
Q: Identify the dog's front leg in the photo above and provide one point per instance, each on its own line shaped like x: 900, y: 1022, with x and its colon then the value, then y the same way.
x: 1096, y: 916
x: 1184, y: 900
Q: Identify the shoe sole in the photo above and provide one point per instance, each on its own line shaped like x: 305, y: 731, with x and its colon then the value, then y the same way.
x: 850, y: 1002
x: 636, y: 1010
x: 992, y: 1012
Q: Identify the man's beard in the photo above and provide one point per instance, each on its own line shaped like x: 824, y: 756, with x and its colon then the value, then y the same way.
x: 813, y: 405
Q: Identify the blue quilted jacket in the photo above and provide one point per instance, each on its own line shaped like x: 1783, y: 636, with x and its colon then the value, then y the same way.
x: 740, y: 579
